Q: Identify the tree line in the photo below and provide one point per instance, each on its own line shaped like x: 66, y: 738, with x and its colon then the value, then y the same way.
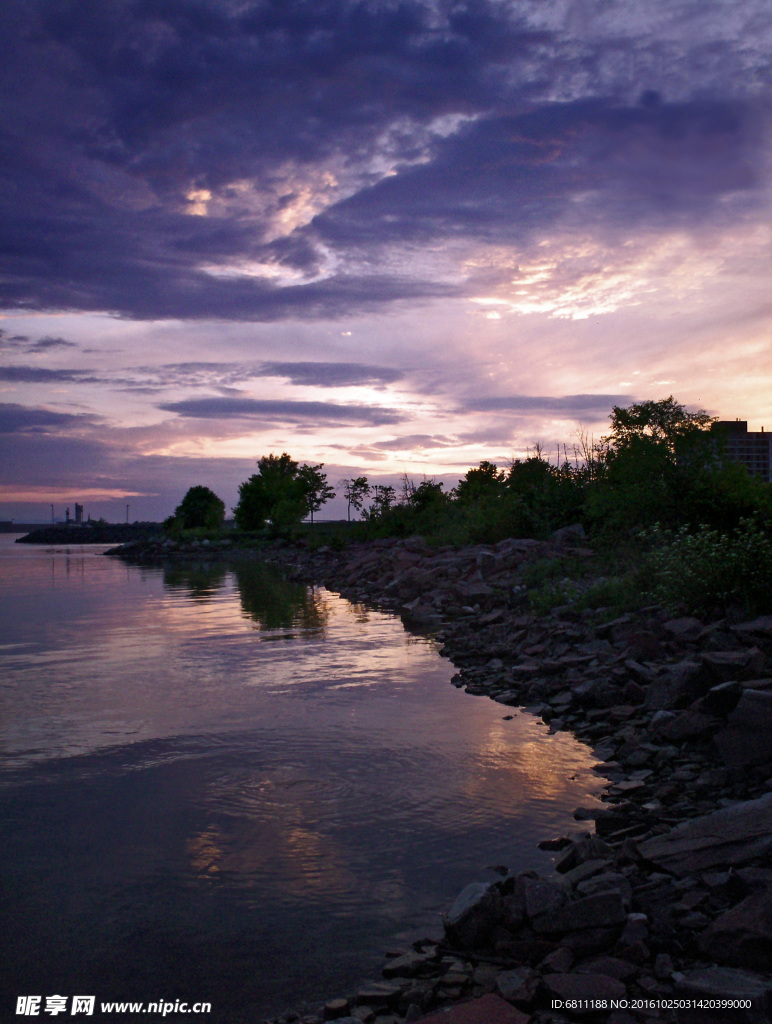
x: 659, y: 464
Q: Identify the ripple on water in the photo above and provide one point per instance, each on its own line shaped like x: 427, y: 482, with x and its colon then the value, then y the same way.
x: 207, y: 772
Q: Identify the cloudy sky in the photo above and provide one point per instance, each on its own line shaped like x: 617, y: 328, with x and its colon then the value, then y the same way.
x: 385, y: 235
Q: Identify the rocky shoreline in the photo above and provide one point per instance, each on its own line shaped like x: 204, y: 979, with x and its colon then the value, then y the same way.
x: 664, y: 911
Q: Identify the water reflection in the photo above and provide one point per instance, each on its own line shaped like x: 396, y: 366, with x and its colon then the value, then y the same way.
x: 200, y: 580
x: 244, y: 822
x: 275, y: 603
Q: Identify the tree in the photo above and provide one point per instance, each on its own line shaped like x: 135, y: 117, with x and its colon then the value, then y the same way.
x: 654, y: 457
x: 665, y: 423
x: 281, y: 493
x: 317, y: 490
x: 487, y: 481
x: 383, y: 501
x: 274, y: 494
x: 355, y: 491
x: 200, y: 508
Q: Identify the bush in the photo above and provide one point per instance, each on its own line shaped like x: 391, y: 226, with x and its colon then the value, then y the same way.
x: 709, y: 571
x: 200, y: 508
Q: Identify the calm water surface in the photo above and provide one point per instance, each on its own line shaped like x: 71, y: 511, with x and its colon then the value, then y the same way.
x: 220, y: 786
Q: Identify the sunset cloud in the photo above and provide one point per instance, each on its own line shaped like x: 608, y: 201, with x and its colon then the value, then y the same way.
x: 242, y: 227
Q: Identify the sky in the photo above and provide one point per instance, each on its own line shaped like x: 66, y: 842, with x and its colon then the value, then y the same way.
x: 389, y: 237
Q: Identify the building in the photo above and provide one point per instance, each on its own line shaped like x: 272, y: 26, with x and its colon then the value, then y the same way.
x: 751, y: 448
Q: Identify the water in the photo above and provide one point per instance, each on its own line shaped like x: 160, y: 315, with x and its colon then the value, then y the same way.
x: 218, y: 786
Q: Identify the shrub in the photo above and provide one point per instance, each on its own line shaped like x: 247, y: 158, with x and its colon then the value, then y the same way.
x: 708, y: 571
x: 200, y: 508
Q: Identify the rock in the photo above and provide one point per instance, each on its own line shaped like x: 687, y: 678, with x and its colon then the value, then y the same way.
x: 730, y: 837
x: 636, y: 930
x: 608, y: 881
x: 542, y: 897
x: 591, y: 847
x: 721, y: 699
x: 663, y: 966
x: 335, y: 1009
x: 726, y: 983
x: 599, y: 911
x: 518, y: 986
x: 559, y: 961
x: 585, y: 987
x: 745, y: 738
x: 409, y: 965
x: 686, y: 628
x: 590, y: 941
x: 473, y: 915
x: 488, y: 1009
x: 677, y: 687
x: 726, y: 665
x: 379, y: 993
x: 762, y: 625
x: 568, y: 534
x: 687, y: 725
x: 611, y: 966
x: 742, y: 935
x: 587, y: 869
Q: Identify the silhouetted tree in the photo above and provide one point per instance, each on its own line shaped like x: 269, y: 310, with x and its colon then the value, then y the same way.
x: 383, y: 501
x: 355, y: 491
x: 200, y: 508
x: 274, y: 494
x: 487, y: 481
x: 281, y: 493
x: 317, y: 491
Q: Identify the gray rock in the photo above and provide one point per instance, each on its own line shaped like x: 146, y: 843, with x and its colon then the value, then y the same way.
x: 587, y: 869
x: 678, y: 686
x: 599, y: 911
x: 474, y: 913
x: 379, y: 993
x: 611, y: 966
x: 335, y: 1009
x: 542, y: 897
x: 518, y: 986
x: 721, y: 699
x: 687, y: 725
x: 591, y: 941
x: 568, y: 534
x: 609, y: 881
x: 685, y: 628
x: 732, y: 836
x: 726, y: 983
x: 762, y: 625
x: 636, y: 929
x: 745, y: 740
x: 585, y: 987
x: 559, y: 961
x: 409, y: 965
x: 742, y: 935
x: 723, y: 666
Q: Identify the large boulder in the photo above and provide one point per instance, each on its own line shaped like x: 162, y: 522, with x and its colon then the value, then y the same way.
x: 488, y: 1009
x: 473, y: 915
x: 742, y: 935
x: 745, y: 740
x: 677, y: 687
x: 602, y: 910
x: 730, y: 837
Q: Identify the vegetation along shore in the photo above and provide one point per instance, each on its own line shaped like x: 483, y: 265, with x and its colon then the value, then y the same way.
x: 625, y: 597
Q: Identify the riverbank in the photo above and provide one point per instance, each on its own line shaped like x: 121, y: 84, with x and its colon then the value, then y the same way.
x: 665, y: 909
x: 92, y: 533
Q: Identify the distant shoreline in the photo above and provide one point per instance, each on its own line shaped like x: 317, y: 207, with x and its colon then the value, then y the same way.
x: 92, y: 533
